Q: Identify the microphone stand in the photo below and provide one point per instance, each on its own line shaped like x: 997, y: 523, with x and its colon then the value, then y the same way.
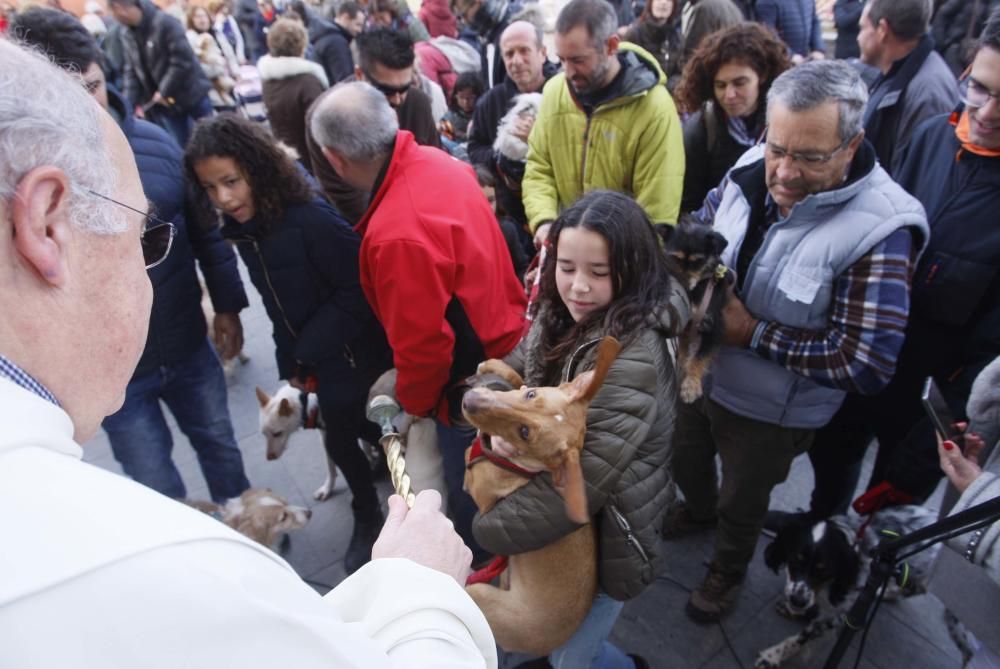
x: 885, y: 559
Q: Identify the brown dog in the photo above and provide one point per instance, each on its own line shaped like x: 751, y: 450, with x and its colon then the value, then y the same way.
x: 546, y: 593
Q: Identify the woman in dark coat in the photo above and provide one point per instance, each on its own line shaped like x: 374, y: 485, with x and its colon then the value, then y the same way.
x: 724, y: 89
x: 302, y: 258
x: 658, y: 31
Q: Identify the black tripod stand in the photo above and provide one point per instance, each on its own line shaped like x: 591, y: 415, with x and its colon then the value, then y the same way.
x: 886, y: 559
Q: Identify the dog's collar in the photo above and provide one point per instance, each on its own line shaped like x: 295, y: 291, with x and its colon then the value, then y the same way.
x: 310, y: 416
x: 699, y: 313
x: 479, y: 453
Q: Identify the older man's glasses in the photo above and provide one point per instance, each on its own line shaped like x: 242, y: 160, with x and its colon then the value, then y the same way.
x: 157, y: 237
x: 807, y: 159
x: 974, y: 94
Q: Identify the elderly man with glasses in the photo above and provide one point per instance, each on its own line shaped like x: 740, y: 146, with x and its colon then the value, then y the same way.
x: 822, y: 242
x: 125, y: 576
x: 953, y: 167
x: 178, y: 366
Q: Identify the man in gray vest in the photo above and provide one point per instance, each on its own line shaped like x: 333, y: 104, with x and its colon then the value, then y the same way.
x: 823, y: 243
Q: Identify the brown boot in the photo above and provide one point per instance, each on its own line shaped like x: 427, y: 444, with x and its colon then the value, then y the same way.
x: 679, y: 522
x: 715, y: 596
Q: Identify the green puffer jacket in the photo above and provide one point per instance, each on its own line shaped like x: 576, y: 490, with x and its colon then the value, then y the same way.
x: 632, y: 144
x: 630, y: 424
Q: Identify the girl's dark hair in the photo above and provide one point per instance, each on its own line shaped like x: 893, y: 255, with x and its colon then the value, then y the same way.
x: 274, y: 178
x: 748, y: 43
x: 639, y: 278
x: 467, y: 81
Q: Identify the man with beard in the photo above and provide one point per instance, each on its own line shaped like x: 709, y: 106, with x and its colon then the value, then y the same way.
x: 606, y: 122
x: 824, y: 244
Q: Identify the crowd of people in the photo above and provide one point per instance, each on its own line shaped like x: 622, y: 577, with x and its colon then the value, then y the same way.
x: 425, y: 190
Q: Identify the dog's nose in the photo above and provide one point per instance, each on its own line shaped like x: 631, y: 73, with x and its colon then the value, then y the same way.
x: 472, y: 402
x: 309, y: 514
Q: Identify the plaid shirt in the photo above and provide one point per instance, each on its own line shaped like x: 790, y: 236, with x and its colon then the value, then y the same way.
x: 9, y: 370
x: 858, y: 349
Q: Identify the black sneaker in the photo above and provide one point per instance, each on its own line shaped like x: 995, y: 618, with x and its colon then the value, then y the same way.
x: 366, y: 530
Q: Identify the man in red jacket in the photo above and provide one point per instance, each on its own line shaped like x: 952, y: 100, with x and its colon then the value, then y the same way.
x: 434, y: 264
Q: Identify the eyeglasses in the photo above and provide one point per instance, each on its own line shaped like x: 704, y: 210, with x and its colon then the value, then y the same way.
x: 386, y: 89
x: 974, y: 94
x: 812, y: 159
x: 157, y: 237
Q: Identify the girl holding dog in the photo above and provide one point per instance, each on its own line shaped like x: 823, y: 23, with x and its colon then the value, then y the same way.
x: 605, y: 276
x: 302, y: 258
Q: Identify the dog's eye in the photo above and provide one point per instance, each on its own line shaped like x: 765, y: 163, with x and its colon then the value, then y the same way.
x: 277, y: 434
x: 525, y: 432
x: 530, y: 395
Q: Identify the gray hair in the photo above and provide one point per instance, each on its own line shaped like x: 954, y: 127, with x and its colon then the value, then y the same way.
x: 812, y: 84
x: 48, y: 118
x: 908, y: 19
x: 355, y: 120
x: 597, y: 16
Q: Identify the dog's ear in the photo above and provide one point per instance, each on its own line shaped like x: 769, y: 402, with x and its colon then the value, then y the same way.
x: 719, y: 243
x: 285, y: 408
x: 665, y: 232
x: 568, y: 479
x: 586, y: 385
x: 774, y: 554
x: 262, y: 397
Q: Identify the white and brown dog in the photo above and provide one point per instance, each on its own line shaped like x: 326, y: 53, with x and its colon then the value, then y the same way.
x: 258, y: 514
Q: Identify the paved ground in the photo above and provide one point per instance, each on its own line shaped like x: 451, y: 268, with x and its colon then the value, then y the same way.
x: 908, y: 634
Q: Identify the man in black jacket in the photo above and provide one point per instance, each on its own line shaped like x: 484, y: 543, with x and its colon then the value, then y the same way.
x: 489, y: 18
x: 331, y: 42
x: 178, y: 365
x: 528, y: 68
x: 162, y: 75
x: 386, y: 62
x: 915, y: 83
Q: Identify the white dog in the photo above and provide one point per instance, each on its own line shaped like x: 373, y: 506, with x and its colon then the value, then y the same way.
x: 507, y: 143
x: 289, y: 410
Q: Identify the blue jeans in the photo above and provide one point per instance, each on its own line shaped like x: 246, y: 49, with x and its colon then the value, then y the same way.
x: 195, y: 392
x: 453, y: 441
x: 589, y: 646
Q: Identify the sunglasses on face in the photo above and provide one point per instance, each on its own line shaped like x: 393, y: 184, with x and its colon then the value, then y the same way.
x: 157, y: 236
x: 386, y: 89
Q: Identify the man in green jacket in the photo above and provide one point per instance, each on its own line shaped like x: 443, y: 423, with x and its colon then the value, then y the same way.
x: 606, y: 122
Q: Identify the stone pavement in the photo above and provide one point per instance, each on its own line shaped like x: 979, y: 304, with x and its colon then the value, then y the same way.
x: 909, y: 634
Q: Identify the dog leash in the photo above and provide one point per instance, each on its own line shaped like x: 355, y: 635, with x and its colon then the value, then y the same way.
x: 706, y: 298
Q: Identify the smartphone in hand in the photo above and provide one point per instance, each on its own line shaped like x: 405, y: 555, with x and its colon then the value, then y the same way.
x: 939, y: 413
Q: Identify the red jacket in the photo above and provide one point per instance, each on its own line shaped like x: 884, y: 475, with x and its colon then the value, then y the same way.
x: 438, y: 17
x: 436, y: 271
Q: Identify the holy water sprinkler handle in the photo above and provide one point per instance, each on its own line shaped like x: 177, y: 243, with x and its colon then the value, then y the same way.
x: 381, y: 410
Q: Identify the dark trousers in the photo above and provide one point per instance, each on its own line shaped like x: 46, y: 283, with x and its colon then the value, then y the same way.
x: 756, y: 456
x: 453, y: 442
x: 345, y: 422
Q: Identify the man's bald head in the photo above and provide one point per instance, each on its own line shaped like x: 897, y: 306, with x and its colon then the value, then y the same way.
x: 355, y: 120
x: 524, y: 55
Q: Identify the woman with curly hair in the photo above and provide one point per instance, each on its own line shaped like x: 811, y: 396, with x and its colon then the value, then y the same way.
x: 302, y: 258
x: 724, y: 87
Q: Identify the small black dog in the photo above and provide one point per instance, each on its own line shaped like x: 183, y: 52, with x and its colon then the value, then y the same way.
x: 693, y: 253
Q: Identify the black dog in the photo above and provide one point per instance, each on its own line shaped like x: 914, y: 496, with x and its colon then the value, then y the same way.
x: 694, y: 258
x: 823, y: 562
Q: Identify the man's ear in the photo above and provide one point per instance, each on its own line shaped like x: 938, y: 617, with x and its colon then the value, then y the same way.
x: 612, y: 44
x: 336, y: 162
x: 40, y: 216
